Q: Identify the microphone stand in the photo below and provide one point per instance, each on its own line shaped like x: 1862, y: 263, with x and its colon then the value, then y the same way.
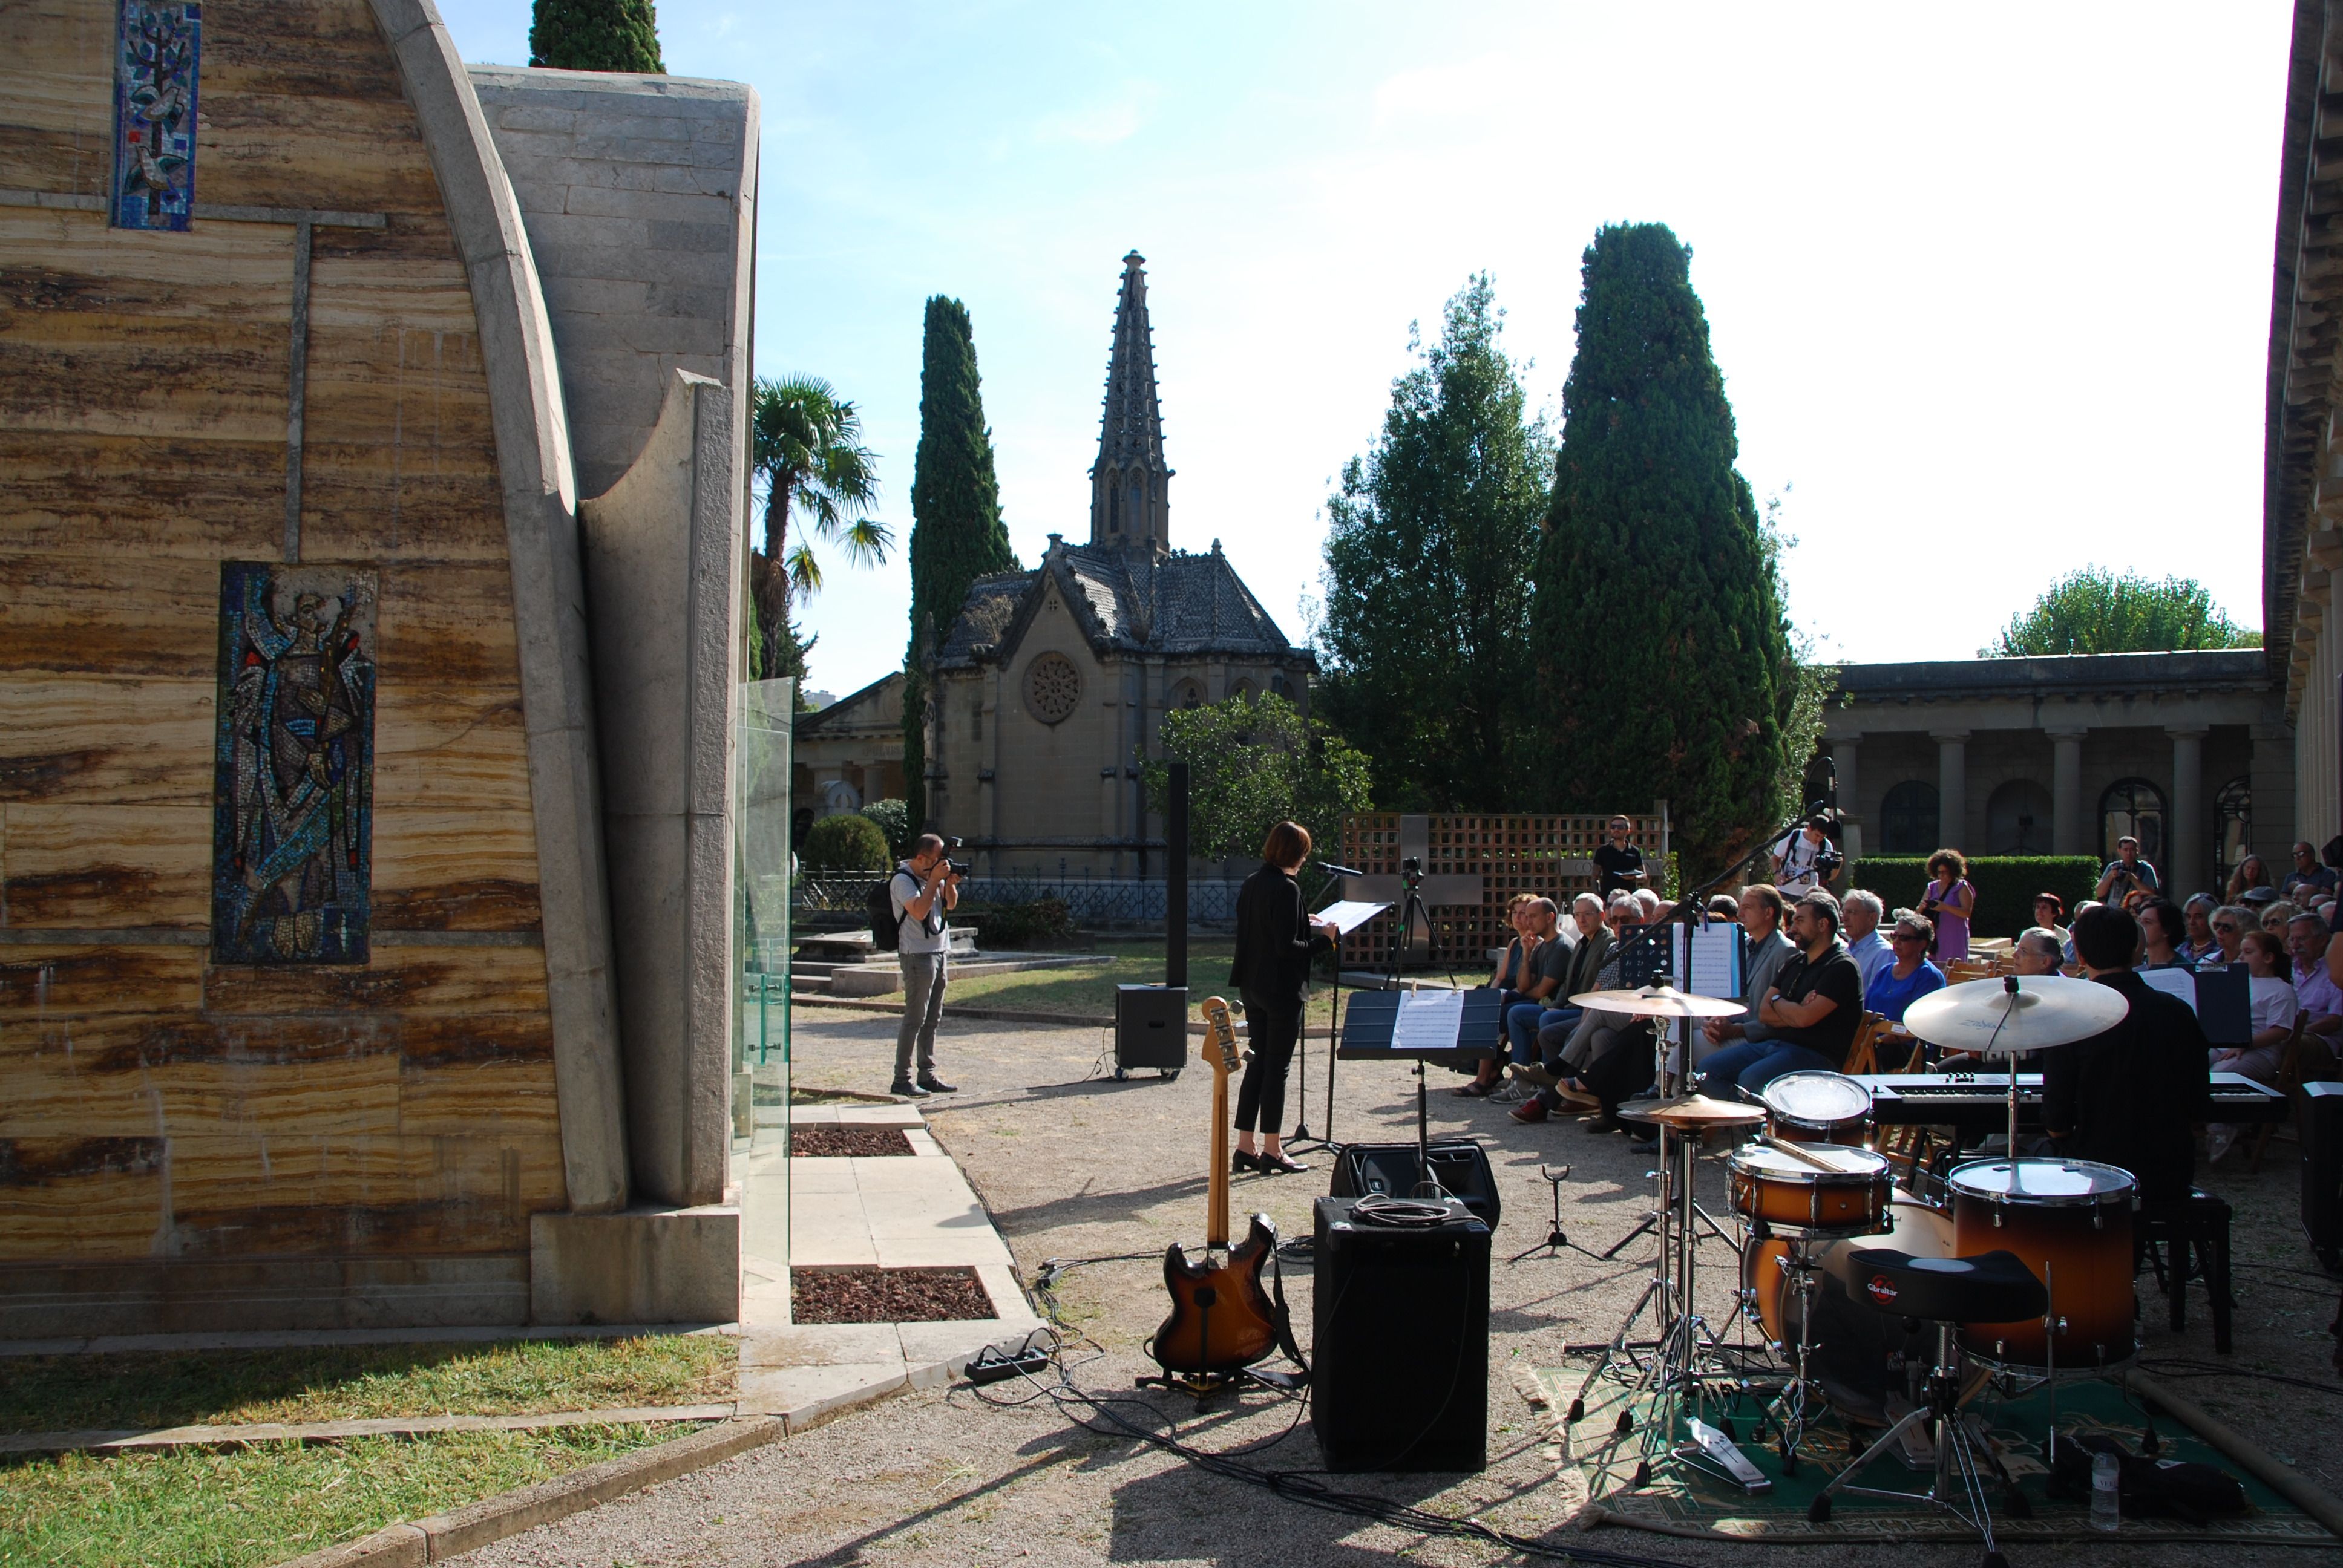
x: 1302, y: 1134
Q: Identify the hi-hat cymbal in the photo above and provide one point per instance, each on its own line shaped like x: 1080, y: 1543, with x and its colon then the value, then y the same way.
x: 1657, y: 1002
x: 2013, y: 1014
x: 1692, y: 1112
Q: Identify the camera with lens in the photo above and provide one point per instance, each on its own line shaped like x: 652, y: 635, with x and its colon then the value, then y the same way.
x: 1828, y: 859
x: 959, y: 868
x: 1412, y: 866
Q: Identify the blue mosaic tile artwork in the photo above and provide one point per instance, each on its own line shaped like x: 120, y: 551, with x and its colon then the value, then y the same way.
x: 156, y: 51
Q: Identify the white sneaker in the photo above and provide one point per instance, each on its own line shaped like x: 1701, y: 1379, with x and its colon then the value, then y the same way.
x: 1511, y: 1094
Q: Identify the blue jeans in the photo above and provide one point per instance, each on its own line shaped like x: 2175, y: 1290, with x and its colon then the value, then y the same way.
x: 1522, y: 1022
x: 1752, y: 1064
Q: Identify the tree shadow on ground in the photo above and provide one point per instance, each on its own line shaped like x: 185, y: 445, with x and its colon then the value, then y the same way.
x: 1090, y: 1205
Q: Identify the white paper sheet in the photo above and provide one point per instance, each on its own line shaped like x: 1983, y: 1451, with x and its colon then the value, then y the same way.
x: 1708, y: 959
x: 1428, y: 1021
x: 1351, y: 913
x: 2181, y: 983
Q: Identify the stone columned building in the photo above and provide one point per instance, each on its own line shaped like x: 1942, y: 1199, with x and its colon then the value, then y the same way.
x: 1051, y: 683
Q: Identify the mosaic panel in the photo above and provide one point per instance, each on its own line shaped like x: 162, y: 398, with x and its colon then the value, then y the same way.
x: 293, y: 790
x: 156, y: 50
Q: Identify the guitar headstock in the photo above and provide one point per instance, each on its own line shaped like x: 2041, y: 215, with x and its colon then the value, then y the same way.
x: 1221, y: 1037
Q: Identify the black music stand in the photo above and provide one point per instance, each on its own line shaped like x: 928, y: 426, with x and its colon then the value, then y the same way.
x: 1302, y: 1133
x: 1367, y: 1029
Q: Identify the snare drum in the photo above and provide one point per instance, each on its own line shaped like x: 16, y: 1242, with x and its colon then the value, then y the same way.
x: 2070, y: 1221
x: 1817, y: 1108
x: 1786, y: 1192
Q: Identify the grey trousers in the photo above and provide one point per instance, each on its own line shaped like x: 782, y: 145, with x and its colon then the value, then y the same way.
x: 924, y: 979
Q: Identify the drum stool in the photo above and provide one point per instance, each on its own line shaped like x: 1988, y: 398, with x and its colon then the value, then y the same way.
x: 2196, y: 1225
x: 1997, y: 1287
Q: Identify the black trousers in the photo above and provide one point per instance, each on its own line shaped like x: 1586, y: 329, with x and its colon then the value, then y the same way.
x: 1272, y: 1028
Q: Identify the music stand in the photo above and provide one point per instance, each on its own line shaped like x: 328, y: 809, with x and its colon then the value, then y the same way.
x: 1375, y: 1030
x: 1338, y: 911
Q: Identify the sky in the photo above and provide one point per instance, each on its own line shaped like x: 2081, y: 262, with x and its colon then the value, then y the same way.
x: 1990, y: 289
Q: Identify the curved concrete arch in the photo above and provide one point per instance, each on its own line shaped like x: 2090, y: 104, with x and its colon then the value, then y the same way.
x: 548, y: 590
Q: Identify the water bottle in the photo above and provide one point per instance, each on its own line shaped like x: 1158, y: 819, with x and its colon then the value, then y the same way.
x: 2105, y: 1513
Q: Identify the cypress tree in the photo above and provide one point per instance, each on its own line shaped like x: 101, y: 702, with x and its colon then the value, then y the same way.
x: 1665, y: 661
x: 956, y: 534
x: 595, y: 35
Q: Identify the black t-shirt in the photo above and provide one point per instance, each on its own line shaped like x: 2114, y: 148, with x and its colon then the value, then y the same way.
x: 1614, y: 861
x: 1835, y: 976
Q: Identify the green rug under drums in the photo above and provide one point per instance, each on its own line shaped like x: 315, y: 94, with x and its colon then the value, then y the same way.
x: 1683, y: 1501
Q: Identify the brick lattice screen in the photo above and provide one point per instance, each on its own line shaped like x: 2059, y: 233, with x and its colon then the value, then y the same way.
x: 1509, y: 853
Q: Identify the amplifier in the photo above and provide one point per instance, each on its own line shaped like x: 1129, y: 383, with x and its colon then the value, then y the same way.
x: 1461, y: 1165
x: 2322, y: 1170
x: 1399, y: 1379
x: 1151, y: 1028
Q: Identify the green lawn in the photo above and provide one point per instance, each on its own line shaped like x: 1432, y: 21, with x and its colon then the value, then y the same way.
x: 1090, y: 989
x: 269, y: 1502
x: 258, y: 1505
x: 343, y: 1383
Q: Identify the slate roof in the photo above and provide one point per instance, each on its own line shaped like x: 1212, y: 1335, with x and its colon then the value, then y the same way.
x: 1128, y: 601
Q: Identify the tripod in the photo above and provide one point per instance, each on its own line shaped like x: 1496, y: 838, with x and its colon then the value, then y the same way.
x: 1556, y: 1239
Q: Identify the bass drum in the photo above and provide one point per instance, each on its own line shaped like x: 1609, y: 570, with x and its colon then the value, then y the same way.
x: 2070, y: 1221
x: 1815, y: 1107
x: 1852, y: 1358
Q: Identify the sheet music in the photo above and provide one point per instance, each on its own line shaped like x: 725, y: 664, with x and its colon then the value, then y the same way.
x: 2181, y: 983
x: 1428, y: 1021
x: 1708, y: 959
x: 1351, y: 913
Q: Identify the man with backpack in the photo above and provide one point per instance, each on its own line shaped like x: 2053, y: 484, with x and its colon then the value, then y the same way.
x: 922, y: 890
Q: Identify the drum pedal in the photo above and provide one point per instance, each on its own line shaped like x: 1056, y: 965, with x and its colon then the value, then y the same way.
x: 1916, y: 1446
x: 1720, y: 1449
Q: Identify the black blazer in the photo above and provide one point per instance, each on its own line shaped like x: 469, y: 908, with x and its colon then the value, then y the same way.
x: 1275, y: 939
x: 2127, y: 1097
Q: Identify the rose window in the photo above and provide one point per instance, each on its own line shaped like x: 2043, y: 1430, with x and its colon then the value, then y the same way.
x: 1052, y: 688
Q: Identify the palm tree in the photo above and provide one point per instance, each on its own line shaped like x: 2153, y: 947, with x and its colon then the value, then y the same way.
x: 806, y: 448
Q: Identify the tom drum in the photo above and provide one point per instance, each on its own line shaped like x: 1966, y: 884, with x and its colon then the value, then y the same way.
x: 2070, y: 1221
x: 1817, y: 1108
x: 1787, y: 1193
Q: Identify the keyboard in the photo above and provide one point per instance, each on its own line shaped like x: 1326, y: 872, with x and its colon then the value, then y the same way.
x: 1979, y: 1101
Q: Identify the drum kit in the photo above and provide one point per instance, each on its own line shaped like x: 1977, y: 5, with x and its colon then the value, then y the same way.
x: 1818, y: 1213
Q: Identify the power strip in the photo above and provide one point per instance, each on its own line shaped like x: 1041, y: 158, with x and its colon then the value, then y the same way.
x: 990, y: 1366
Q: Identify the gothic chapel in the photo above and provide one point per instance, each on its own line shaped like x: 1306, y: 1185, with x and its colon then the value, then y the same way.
x: 1051, y: 682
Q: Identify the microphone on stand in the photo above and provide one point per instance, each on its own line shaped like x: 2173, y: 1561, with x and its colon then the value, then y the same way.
x: 1333, y: 869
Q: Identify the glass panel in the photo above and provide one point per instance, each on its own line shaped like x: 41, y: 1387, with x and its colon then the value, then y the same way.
x: 760, y: 1036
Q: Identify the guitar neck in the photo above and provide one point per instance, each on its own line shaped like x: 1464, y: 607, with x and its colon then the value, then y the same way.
x: 1216, y: 1221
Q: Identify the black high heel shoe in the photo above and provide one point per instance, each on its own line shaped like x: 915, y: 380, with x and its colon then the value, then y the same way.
x: 1241, y: 1161
x: 1278, y: 1164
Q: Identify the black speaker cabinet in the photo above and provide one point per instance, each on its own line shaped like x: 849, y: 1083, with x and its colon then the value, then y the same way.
x: 1151, y: 1028
x: 1399, y: 1379
x: 2321, y: 1126
x: 1461, y: 1165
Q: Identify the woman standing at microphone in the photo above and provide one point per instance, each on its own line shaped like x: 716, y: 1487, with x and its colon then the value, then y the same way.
x: 1276, y: 939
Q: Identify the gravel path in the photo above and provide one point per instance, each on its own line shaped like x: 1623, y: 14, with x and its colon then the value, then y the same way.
x: 1074, y: 1165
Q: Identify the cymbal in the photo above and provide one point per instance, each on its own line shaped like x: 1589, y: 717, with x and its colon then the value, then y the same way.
x: 1990, y: 1018
x: 1658, y: 1002
x: 1692, y: 1111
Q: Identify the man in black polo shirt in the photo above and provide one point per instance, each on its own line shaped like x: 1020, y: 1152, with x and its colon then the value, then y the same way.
x: 1812, y: 1009
x: 1619, y: 863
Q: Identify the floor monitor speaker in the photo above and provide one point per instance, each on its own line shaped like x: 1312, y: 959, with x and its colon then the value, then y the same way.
x: 1399, y: 1379
x: 1461, y: 1165
x: 1151, y: 1028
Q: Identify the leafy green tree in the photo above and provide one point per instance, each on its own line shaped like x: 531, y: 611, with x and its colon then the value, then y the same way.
x: 1255, y: 762
x: 1425, y: 625
x: 846, y: 842
x: 595, y: 35
x: 956, y: 534
x: 806, y: 451
x: 1665, y: 665
x: 2095, y: 610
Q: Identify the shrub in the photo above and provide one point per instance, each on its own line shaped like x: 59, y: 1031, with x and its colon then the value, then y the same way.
x: 1023, y: 925
x: 845, y: 843
x: 2006, y: 885
x: 894, y: 819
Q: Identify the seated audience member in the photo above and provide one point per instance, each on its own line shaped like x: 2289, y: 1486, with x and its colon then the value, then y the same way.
x: 2251, y: 873
x: 2073, y: 962
x: 2274, y: 1008
x: 2230, y: 924
x: 2038, y: 951
x: 1619, y: 863
x: 1648, y: 902
x: 1812, y: 1010
x: 2162, y: 928
x: 1869, y: 949
x: 1511, y: 975
x: 2273, y: 916
x: 2127, y: 874
x: 2050, y: 914
x: 1765, y: 949
x: 2315, y: 990
x: 1721, y: 907
x: 1948, y: 901
x: 1797, y: 869
x: 1570, y: 1055
x: 1910, y: 976
x: 1547, y: 959
x: 2198, y: 912
x: 2257, y: 899
x: 1556, y: 1017
x: 2130, y: 1095
x: 2307, y: 875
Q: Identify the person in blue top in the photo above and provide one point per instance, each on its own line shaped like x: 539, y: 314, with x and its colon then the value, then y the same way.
x: 1911, y: 976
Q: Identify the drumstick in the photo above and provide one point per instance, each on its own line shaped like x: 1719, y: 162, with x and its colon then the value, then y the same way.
x: 1800, y: 1151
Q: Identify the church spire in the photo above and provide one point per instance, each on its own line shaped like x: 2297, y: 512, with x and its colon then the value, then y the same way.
x: 1130, y: 497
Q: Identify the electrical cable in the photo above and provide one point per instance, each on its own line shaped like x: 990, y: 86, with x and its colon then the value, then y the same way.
x: 2182, y: 1367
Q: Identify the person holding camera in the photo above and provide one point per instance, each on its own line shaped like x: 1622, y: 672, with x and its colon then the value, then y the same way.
x: 923, y: 891
x: 1805, y: 860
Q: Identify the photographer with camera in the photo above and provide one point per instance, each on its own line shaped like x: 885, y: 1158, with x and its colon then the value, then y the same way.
x: 1805, y: 860
x: 922, y: 892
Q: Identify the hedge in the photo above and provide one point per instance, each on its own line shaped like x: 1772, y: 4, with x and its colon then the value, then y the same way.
x: 845, y: 843
x: 2006, y: 885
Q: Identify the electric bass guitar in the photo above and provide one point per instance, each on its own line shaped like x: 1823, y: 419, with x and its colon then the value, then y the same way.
x: 1222, y: 1320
